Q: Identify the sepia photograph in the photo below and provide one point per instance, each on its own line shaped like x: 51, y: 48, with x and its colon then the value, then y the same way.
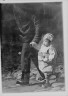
x: 32, y: 47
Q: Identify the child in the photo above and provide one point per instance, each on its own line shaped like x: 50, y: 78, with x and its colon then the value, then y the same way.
x: 45, y: 56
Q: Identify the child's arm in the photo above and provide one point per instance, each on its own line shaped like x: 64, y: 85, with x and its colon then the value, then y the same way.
x: 52, y: 53
x: 43, y: 56
x: 47, y: 57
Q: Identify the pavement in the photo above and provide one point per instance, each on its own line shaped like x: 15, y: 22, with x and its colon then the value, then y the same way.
x: 9, y: 84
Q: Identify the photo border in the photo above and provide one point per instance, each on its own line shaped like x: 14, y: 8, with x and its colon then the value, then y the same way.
x: 65, y: 45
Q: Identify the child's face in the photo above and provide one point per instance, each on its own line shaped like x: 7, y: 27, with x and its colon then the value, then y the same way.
x: 46, y: 42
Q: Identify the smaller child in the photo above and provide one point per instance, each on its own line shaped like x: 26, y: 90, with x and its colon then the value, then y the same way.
x: 45, y: 55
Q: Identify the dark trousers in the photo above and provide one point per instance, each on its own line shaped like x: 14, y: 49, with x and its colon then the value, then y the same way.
x: 27, y: 54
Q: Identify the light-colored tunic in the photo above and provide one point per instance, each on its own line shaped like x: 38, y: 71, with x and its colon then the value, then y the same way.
x: 45, y: 56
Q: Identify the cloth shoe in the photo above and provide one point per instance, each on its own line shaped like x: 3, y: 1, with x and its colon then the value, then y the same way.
x: 40, y: 79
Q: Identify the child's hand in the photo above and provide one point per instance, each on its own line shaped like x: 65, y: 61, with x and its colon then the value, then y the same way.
x: 45, y: 57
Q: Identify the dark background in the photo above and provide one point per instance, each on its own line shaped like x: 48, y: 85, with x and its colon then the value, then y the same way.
x: 50, y: 16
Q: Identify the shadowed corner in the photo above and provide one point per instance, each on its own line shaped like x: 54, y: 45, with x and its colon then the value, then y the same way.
x: 0, y: 70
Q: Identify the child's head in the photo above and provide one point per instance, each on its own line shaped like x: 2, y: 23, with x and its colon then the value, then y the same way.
x: 46, y: 42
x: 47, y: 39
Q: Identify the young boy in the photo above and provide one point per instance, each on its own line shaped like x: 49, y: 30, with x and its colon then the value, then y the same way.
x: 46, y: 55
